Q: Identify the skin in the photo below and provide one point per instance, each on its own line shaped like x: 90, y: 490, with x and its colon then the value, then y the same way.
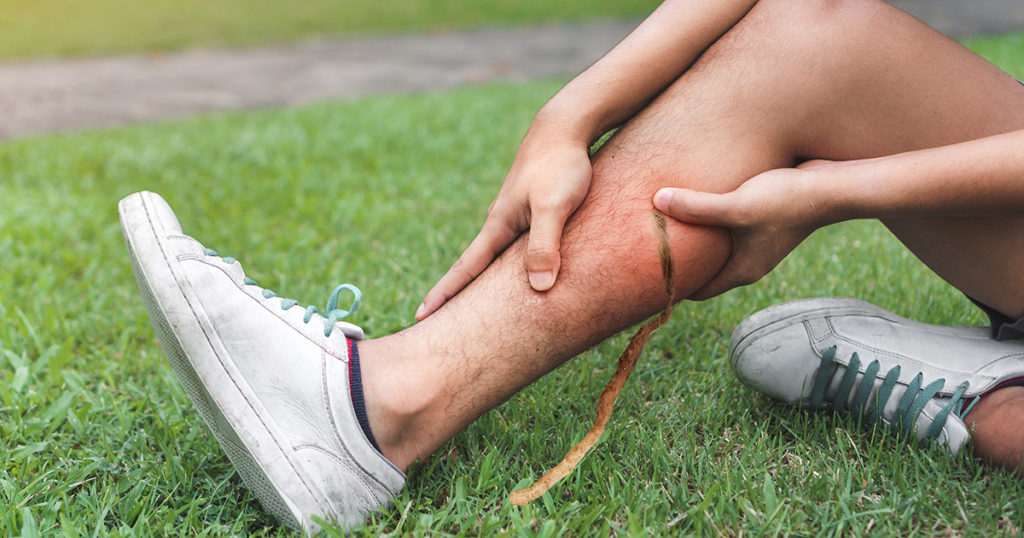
x: 749, y: 92
x: 773, y: 212
x: 551, y: 173
x: 978, y: 181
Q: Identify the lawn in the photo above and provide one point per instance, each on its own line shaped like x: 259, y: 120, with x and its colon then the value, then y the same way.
x: 72, y: 27
x: 99, y: 439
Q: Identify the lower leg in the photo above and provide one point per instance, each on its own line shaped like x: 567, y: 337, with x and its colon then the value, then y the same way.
x: 781, y: 85
x: 498, y: 335
x: 428, y: 382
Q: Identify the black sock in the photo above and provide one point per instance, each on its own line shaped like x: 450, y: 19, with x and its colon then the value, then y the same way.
x: 355, y: 384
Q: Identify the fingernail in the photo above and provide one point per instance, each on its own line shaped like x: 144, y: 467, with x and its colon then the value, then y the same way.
x: 663, y: 199
x: 420, y: 311
x: 542, y: 280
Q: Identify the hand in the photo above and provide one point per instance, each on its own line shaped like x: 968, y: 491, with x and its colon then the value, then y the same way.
x: 547, y: 182
x: 768, y: 216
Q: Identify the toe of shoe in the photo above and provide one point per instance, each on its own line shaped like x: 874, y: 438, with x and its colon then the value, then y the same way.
x: 152, y: 207
x: 162, y: 211
x: 780, y: 363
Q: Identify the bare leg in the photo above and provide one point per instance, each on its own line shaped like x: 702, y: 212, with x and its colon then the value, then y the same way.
x: 998, y: 421
x: 792, y: 81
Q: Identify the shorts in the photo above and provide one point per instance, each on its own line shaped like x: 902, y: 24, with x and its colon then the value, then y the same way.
x: 1003, y: 327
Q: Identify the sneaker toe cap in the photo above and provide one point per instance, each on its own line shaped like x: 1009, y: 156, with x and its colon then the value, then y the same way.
x: 771, y: 364
x: 161, y: 211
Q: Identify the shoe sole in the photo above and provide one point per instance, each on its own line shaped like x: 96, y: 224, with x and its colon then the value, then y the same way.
x: 247, y: 438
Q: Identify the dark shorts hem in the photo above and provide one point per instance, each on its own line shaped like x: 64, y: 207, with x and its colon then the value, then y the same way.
x: 1003, y: 327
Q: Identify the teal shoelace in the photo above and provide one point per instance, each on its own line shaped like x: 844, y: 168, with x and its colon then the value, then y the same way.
x: 909, y: 406
x: 332, y: 312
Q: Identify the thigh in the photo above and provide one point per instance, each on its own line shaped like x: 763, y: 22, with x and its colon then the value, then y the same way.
x: 916, y: 89
x: 835, y: 80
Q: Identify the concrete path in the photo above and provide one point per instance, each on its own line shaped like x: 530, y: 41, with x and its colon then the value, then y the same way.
x: 59, y: 95
x: 47, y: 96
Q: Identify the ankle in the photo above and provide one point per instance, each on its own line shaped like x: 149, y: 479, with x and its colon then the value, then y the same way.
x: 998, y: 425
x: 399, y: 403
x: 995, y: 403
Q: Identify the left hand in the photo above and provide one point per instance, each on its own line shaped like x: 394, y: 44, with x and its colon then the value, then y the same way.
x: 768, y: 216
x: 547, y: 183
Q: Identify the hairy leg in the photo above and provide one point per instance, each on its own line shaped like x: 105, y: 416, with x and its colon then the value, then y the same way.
x: 790, y: 81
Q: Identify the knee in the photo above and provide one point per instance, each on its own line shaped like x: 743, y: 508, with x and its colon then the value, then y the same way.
x: 812, y: 14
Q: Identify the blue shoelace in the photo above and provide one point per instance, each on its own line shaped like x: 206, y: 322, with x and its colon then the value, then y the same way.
x: 333, y: 313
x: 909, y: 406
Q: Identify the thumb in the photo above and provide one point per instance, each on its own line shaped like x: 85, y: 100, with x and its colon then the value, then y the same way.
x: 694, y: 207
x: 542, y: 250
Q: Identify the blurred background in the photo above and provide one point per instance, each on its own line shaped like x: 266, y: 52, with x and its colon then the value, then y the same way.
x: 75, y: 27
x: 39, y: 28
x: 72, y: 64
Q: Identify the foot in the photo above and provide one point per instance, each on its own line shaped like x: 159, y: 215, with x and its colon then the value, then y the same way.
x: 861, y: 359
x: 270, y: 379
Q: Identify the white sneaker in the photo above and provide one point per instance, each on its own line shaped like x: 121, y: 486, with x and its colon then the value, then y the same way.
x: 869, y: 362
x: 270, y: 380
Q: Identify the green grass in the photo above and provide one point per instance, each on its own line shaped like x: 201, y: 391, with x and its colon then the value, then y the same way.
x: 99, y: 439
x: 1005, y: 50
x: 69, y: 27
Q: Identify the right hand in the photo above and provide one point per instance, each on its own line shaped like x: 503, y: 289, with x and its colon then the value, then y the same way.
x: 546, y: 184
x: 768, y: 216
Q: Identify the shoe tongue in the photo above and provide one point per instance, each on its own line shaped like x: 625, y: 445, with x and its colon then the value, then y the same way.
x: 352, y: 331
x: 342, y: 329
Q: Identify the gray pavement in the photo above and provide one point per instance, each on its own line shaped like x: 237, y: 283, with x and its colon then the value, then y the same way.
x: 60, y: 95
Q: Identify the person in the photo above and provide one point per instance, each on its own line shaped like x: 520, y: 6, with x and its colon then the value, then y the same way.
x: 750, y: 122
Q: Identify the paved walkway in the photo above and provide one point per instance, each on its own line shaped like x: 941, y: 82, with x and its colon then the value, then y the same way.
x: 46, y: 96
x: 59, y: 95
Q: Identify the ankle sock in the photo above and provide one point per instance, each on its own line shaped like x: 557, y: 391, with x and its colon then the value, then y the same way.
x: 355, y: 384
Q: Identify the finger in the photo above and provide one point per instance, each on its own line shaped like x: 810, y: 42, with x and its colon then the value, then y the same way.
x: 695, y: 207
x: 543, y: 259
x: 494, y: 237
x: 814, y: 163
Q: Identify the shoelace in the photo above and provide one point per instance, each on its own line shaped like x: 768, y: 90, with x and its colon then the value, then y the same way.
x: 333, y: 313
x: 909, y: 406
